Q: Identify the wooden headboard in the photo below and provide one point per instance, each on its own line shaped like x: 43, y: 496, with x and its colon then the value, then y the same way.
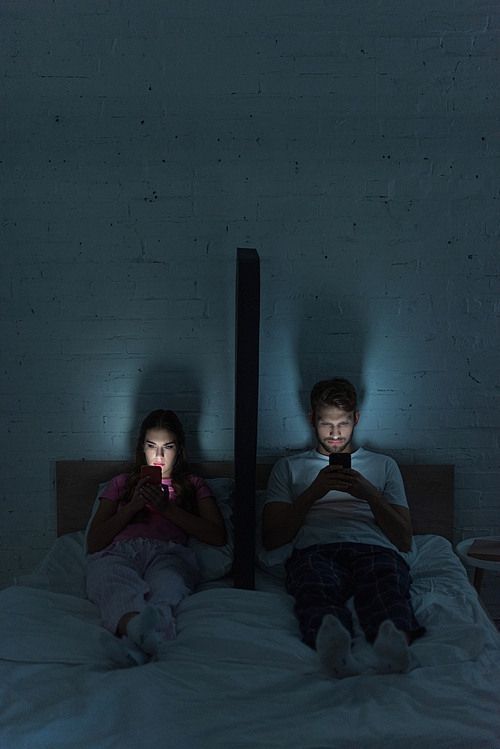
x: 429, y: 490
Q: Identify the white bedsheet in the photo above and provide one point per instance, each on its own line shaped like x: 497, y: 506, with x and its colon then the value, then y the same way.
x: 238, y: 676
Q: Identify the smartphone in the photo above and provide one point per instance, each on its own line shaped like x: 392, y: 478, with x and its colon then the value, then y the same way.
x: 153, y: 472
x: 342, y: 459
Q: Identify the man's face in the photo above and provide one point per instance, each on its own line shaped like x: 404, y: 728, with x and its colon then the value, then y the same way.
x: 334, y: 429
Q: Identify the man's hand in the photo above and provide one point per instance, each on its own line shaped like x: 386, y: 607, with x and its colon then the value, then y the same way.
x: 393, y: 520
x: 356, y: 484
x: 282, y: 521
x: 338, y: 479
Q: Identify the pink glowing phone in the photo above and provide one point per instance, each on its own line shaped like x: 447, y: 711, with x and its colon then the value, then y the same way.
x: 342, y: 459
x: 151, y: 472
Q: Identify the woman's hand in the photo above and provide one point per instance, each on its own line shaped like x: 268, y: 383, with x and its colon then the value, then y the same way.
x: 139, y: 498
x: 154, y: 496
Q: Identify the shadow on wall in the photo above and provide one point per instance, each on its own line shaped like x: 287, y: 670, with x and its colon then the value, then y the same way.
x: 332, y: 341
x: 174, y: 388
x: 303, y: 341
x: 282, y: 425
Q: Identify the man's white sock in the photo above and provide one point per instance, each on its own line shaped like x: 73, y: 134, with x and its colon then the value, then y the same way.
x: 391, y: 647
x: 333, y: 644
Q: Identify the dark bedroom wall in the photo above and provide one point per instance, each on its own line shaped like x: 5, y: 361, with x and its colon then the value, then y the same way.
x: 353, y: 143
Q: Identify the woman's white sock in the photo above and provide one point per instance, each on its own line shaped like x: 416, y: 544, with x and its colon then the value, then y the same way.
x: 142, y: 630
x: 122, y: 652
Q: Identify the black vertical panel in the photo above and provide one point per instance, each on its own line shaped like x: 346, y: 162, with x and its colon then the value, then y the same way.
x: 246, y: 414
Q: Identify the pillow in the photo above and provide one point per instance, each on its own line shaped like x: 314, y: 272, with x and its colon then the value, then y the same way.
x: 271, y: 561
x: 214, y: 561
x: 217, y: 561
x: 94, y: 510
x: 61, y: 569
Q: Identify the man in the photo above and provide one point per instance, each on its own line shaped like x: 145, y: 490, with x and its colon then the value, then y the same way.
x: 350, y: 528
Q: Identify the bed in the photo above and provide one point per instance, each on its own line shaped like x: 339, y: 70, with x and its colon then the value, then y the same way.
x: 238, y: 676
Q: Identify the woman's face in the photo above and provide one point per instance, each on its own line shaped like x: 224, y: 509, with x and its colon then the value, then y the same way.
x: 160, y: 449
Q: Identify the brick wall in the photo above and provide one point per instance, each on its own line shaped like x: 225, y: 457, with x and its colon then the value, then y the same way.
x: 354, y: 144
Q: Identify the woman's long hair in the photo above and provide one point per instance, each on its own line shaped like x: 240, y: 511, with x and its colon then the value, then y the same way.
x: 181, y: 471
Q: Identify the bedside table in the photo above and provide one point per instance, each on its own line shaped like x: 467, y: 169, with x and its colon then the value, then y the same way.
x: 480, y: 565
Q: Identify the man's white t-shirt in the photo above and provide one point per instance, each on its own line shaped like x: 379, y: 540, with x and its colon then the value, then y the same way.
x: 338, y: 516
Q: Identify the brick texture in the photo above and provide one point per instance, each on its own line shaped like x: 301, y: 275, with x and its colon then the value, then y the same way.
x: 353, y: 144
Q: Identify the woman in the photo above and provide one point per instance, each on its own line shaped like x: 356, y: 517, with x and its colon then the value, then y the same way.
x: 139, y: 567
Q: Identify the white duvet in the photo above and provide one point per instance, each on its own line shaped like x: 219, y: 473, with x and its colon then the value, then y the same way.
x: 238, y: 676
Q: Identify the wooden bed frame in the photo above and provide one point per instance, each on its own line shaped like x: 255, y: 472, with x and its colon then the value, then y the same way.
x: 429, y: 489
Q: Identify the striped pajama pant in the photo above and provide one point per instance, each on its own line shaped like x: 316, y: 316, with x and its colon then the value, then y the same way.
x: 138, y: 572
x: 323, y: 577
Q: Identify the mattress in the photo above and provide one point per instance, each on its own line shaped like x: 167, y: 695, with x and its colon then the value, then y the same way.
x: 238, y: 675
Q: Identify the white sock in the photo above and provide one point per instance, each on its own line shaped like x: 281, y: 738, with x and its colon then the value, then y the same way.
x: 391, y: 647
x: 142, y: 630
x: 333, y: 644
x: 122, y: 652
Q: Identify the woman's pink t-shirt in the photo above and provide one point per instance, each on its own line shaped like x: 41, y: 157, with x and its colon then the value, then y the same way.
x: 157, y: 526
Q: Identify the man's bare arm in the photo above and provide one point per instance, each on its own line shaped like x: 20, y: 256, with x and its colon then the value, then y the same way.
x: 393, y: 520
x: 282, y: 521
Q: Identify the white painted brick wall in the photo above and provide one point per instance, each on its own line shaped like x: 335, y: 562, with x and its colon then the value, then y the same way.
x: 353, y: 143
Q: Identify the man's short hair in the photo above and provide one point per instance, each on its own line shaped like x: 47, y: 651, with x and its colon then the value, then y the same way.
x: 337, y: 392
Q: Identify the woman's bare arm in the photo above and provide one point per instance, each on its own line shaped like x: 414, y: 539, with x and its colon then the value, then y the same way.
x: 208, y: 526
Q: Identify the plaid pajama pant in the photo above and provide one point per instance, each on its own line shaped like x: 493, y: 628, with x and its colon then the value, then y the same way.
x: 323, y: 577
